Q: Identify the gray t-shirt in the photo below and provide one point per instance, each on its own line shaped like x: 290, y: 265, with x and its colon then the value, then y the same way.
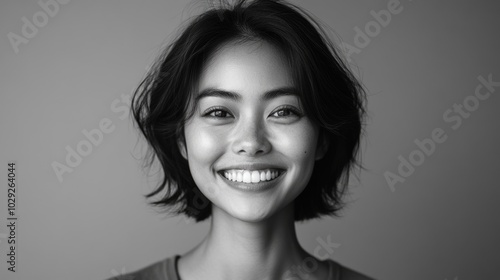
x: 167, y: 270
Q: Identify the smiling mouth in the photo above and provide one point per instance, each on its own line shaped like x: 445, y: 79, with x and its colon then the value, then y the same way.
x: 251, y: 176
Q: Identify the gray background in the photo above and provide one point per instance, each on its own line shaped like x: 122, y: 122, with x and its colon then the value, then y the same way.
x: 440, y: 223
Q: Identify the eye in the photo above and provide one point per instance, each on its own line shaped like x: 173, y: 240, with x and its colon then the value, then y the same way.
x: 217, y: 112
x: 286, y: 112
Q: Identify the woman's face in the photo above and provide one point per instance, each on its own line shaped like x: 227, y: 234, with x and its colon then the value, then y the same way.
x: 251, y: 150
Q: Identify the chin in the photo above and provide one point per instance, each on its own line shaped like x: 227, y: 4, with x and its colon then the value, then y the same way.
x: 256, y: 212
x: 249, y: 212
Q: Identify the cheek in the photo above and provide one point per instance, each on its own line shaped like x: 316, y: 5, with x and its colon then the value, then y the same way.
x: 299, y: 143
x: 203, y: 145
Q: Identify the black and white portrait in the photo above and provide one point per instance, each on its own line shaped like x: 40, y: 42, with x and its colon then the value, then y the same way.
x: 249, y: 139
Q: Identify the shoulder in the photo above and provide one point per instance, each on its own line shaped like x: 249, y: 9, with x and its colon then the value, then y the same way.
x: 349, y: 274
x: 345, y: 273
x: 161, y: 270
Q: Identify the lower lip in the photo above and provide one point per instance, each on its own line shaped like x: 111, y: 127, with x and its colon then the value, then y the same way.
x: 253, y: 187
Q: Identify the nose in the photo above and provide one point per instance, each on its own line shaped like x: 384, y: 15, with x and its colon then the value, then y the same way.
x: 251, y: 139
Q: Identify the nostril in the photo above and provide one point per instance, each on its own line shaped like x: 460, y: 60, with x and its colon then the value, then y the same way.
x: 251, y: 140
x: 251, y: 151
x: 253, y: 146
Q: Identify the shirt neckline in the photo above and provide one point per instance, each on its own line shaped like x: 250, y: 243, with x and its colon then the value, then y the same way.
x: 331, y: 265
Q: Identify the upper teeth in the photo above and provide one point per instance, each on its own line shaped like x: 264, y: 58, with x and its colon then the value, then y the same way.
x: 250, y: 176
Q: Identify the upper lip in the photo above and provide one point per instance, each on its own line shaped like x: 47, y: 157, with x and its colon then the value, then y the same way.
x: 252, y: 166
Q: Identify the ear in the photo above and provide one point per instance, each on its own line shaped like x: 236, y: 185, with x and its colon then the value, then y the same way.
x: 322, y: 146
x: 181, y: 144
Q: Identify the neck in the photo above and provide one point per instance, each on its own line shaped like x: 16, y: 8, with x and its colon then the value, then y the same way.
x: 236, y: 249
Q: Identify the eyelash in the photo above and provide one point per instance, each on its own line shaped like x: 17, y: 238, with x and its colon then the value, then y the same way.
x: 292, y: 110
x: 210, y: 111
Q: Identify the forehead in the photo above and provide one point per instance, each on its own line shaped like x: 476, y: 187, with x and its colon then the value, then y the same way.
x: 255, y: 66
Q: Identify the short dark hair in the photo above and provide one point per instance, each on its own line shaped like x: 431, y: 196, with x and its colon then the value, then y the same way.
x: 330, y: 95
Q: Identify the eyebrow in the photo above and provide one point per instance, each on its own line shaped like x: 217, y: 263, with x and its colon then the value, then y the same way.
x: 214, y: 92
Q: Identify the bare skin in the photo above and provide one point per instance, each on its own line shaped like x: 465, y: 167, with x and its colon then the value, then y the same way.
x: 236, y: 249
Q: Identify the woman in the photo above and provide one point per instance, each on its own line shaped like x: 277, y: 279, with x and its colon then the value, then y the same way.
x: 256, y: 122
